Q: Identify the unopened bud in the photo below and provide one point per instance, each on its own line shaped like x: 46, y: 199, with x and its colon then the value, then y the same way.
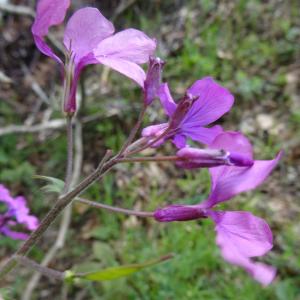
x: 179, y: 213
x: 153, y: 79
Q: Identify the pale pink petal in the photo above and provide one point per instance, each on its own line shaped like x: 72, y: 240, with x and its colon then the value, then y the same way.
x: 166, y: 99
x: 241, y: 235
x: 213, y: 102
x: 230, y: 181
x: 129, y: 45
x: 85, y: 30
x: 154, y: 130
x: 49, y: 13
x: 125, y: 67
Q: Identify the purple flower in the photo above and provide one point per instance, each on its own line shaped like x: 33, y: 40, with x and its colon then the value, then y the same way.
x: 153, y: 79
x: 240, y: 235
x: 16, y: 213
x: 208, y: 102
x: 89, y: 39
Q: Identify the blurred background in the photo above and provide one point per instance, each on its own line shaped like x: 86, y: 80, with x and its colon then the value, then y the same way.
x: 251, y: 47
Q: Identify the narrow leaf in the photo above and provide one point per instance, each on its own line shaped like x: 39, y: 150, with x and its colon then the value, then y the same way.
x: 121, y: 271
x: 54, y: 185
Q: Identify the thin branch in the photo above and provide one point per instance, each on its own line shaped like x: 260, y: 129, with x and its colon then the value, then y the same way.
x: 133, y: 131
x: 17, y: 9
x: 53, y: 124
x: 48, y: 272
x: 130, y: 212
x: 150, y: 159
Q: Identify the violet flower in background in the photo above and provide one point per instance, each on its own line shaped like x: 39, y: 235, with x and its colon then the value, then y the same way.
x: 89, y: 39
x: 16, y: 213
x: 240, y: 235
x: 209, y: 101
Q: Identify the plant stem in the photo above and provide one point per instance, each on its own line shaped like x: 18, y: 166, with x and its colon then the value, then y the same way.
x: 133, y: 131
x: 116, y: 209
x: 69, y: 170
x: 51, y: 273
x: 149, y: 159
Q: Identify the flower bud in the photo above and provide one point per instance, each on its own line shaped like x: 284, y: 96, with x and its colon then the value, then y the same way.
x: 179, y: 213
x: 201, y: 158
x: 153, y: 79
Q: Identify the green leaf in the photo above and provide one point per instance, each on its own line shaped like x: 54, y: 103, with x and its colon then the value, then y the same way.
x: 54, y: 185
x: 121, y: 271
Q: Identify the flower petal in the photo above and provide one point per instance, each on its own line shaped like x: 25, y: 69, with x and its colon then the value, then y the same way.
x: 49, y: 13
x: 213, y: 102
x: 230, y: 181
x: 202, y: 134
x: 85, y: 30
x: 125, y: 67
x: 130, y: 45
x: 166, y: 99
x: 241, y: 235
x: 179, y: 141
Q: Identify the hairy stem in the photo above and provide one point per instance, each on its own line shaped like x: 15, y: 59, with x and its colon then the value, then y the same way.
x: 69, y: 170
x: 51, y: 273
x: 149, y: 159
x: 130, y: 212
x: 133, y: 131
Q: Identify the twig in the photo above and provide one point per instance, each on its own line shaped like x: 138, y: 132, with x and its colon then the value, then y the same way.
x: 150, y: 159
x: 51, y: 273
x: 53, y: 124
x: 17, y: 9
x: 133, y: 131
x: 50, y: 125
x: 115, y: 208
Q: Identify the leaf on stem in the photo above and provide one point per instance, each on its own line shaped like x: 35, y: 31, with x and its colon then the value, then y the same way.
x: 120, y: 271
x: 54, y: 185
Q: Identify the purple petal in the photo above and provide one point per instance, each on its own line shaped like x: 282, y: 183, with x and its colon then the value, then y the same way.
x: 124, y: 50
x: 125, y: 67
x: 241, y: 235
x: 45, y: 49
x: 85, y: 30
x: 230, y: 181
x: 201, y: 134
x: 166, y: 99
x: 233, y: 142
x: 49, y: 13
x: 179, y: 141
x: 131, y: 45
x: 213, y: 102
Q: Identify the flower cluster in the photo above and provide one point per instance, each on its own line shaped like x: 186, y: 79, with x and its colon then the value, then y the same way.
x: 15, y: 212
x: 232, y: 168
x: 89, y: 39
